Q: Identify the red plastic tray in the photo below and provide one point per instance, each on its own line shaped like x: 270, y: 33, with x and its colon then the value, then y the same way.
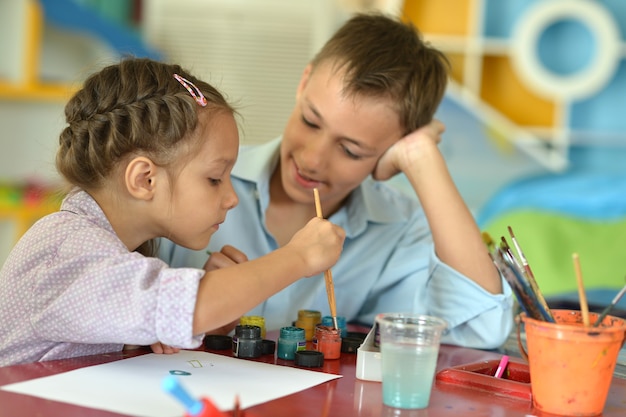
x: 514, y: 383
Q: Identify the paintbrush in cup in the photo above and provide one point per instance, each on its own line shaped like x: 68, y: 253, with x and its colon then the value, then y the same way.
x: 584, y: 308
x: 608, y: 308
x: 513, y: 274
x: 328, y: 276
x: 529, y: 275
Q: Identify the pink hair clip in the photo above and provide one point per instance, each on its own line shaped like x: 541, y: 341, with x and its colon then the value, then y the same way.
x: 193, y: 90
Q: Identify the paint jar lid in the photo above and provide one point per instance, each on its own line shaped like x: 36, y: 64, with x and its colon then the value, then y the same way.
x: 218, y: 342
x: 350, y: 344
x: 268, y: 347
x: 292, y: 333
x: 327, y: 333
x: 309, y: 358
x: 246, y: 331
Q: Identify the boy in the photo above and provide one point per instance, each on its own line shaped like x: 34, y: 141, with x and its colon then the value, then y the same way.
x: 364, y: 113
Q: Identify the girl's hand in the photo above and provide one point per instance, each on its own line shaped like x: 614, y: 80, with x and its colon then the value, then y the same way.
x: 405, y: 153
x: 319, y: 244
x: 226, y: 257
x: 159, y: 347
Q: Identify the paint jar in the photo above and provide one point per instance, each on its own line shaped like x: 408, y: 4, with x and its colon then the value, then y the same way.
x: 327, y: 340
x: 290, y: 341
x: 247, y: 341
x: 307, y: 320
x: 341, y: 322
x: 254, y: 321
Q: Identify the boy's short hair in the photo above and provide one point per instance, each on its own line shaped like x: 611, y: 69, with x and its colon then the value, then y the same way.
x: 385, y: 57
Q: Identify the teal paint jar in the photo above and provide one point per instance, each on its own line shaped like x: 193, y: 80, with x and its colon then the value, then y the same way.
x: 291, y: 340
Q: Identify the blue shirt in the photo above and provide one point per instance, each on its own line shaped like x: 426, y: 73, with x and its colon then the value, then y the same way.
x: 388, y: 262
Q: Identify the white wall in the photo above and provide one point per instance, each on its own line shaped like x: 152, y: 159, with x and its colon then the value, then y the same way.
x: 253, y: 51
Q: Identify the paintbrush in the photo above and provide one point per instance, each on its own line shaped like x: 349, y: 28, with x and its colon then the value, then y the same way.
x: 527, y: 290
x: 502, y: 366
x: 529, y: 274
x: 520, y: 287
x: 608, y: 308
x: 509, y: 267
x: 237, y: 409
x: 491, y: 246
x: 508, y: 274
x: 503, y: 268
x: 328, y: 276
x: 505, y: 246
x: 584, y: 308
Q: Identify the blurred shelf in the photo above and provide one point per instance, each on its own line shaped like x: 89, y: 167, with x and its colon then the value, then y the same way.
x: 26, y: 41
x: 35, y: 91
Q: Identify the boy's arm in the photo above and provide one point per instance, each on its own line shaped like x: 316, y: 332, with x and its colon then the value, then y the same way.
x: 457, y: 239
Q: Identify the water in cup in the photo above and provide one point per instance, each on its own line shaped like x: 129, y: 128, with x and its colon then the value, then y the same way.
x: 408, y: 372
x: 409, y: 346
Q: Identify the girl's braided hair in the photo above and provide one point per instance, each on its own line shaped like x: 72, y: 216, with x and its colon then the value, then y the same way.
x: 136, y: 106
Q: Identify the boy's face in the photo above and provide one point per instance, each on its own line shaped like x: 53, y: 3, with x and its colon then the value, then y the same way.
x: 203, y: 192
x: 332, y: 142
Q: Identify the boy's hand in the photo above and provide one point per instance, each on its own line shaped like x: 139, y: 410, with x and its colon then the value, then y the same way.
x: 226, y: 257
x: 405, y: 153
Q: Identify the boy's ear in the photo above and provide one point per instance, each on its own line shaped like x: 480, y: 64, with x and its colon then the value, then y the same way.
x: 140, y: 178
x: 304, y: 79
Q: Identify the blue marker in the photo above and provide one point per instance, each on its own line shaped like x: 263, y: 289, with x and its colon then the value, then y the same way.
x: 171, y: 385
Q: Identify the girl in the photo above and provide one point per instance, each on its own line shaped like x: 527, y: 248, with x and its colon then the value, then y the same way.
x: 148, y: 150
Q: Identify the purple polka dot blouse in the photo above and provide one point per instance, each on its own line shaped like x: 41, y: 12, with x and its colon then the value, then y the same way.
x: 70, y: 287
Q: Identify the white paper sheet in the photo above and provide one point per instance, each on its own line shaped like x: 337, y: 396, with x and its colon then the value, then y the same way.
x: 133, y: 386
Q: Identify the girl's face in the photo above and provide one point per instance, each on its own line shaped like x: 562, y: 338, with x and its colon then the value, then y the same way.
x: 203, y: 193
x: 333, y: 142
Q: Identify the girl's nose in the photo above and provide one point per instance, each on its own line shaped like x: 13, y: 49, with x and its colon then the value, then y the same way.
x: 231, y: 200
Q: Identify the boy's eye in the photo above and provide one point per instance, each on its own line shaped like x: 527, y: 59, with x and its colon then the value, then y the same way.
x: 309, y: 124
x: 215, y: 181
x: 350, y: 153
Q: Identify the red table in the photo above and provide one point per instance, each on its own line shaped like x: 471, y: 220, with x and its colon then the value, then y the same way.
x: 343, y: 397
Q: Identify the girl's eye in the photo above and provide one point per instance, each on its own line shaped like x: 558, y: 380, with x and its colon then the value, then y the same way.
x: 215, y: 181
x: 309, y: 124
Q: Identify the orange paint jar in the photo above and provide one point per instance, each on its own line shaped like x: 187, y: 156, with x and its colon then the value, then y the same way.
x: 327, y: 340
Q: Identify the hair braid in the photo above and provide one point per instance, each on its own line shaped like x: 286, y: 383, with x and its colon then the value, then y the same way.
x: 134, y: 106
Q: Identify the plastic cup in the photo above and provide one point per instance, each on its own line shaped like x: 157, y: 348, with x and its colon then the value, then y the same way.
x: 409, y: 346
x: 571, y: 366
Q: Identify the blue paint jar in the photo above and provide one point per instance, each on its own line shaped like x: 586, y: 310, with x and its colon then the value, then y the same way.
x: 291, y: 340
x: 341, y: 322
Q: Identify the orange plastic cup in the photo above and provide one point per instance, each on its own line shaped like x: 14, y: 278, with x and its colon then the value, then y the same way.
x: 571, y: 366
